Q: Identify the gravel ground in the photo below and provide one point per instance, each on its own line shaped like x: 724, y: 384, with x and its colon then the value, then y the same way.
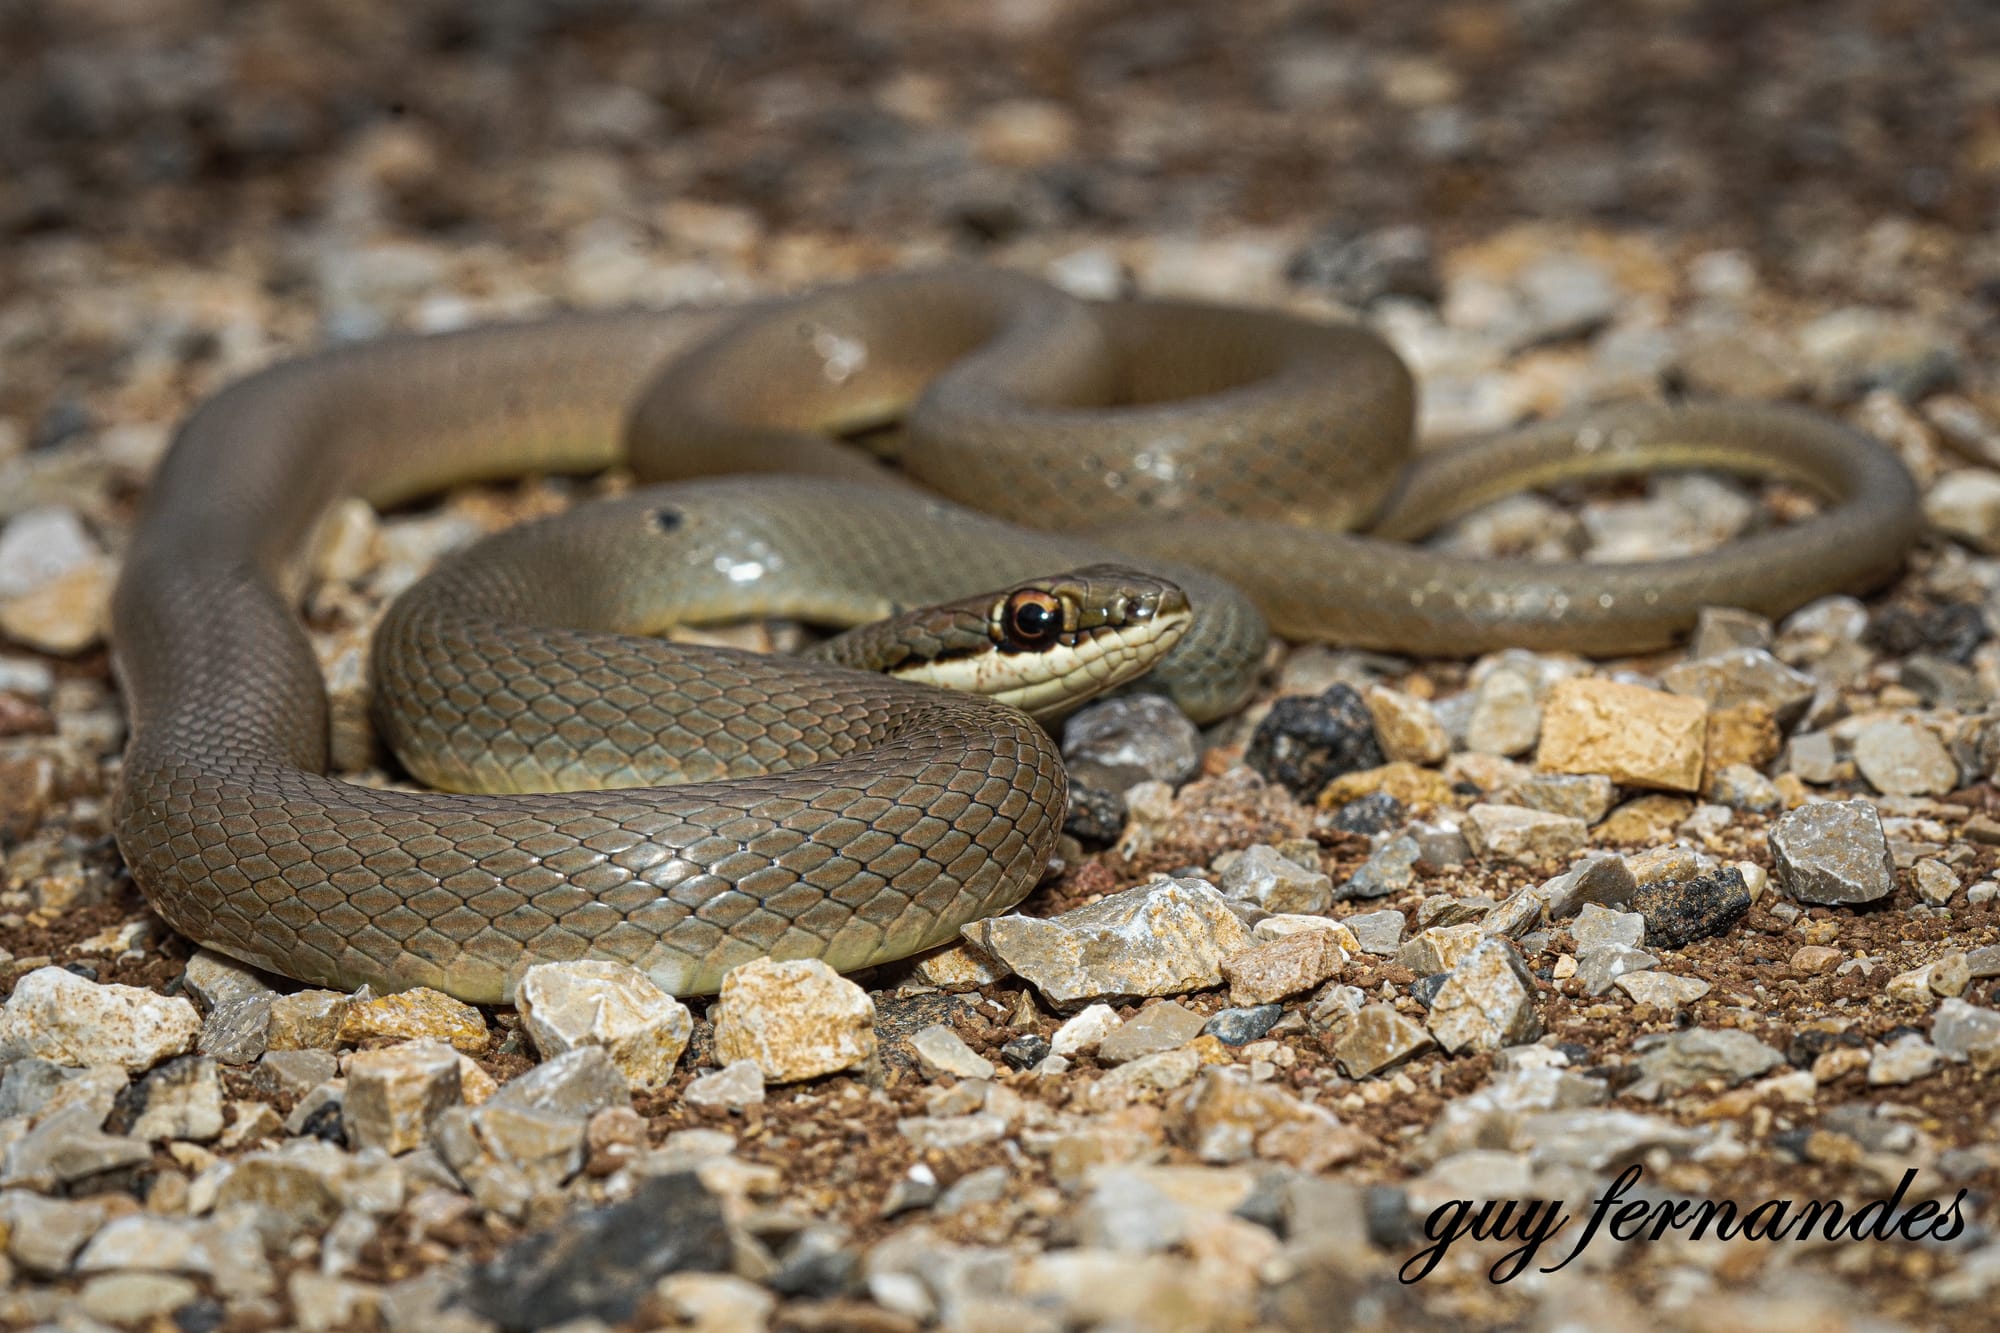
x: 1415, y: 933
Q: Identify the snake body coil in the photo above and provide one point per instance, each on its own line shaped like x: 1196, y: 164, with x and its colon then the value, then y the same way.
x: 841, y: 816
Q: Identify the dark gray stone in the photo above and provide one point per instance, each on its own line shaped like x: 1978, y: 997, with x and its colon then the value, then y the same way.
x: 1833, y: 852
x: 1678, y: 912
x: 1238, y: 1027
x: 1304, y: 743
x: 600, y: 1263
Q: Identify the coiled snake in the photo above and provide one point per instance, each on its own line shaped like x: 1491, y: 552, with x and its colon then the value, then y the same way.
x: 836, y: 815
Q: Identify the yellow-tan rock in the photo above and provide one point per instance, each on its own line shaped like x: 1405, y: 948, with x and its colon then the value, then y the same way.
x: 796, y: 1019
x: 1745, y: 733
x: 1407, y: 727
x: 1632, y: 735
x: 413, y: 1015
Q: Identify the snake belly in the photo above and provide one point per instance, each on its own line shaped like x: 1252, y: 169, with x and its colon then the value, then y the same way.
x: 1220, y: 438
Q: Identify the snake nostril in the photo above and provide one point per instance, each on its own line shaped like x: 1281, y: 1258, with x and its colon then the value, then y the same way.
x: 666, y: 520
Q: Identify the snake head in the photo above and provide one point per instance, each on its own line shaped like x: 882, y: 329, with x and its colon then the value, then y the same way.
x: 1044, y: 645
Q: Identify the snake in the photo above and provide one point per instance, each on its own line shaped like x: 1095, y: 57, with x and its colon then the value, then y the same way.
x: 839, y: 454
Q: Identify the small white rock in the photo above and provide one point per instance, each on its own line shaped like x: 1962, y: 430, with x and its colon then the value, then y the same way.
x: 942, y: 1051
x: 1083, y: 1033
x: 394, y: 1094
x: 797, y: 1019
x: 613, y: 1005
x: 737, y: 1084
x: 58, y: 1016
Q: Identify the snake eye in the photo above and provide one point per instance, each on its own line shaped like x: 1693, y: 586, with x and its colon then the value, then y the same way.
x: 1033, y: 619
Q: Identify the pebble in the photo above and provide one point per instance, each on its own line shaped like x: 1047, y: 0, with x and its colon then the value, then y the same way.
x: 1966, y: 504
x: 1265, y: 878
x: 394, y: 1094
x: 941, y: 1051
x: 1946, y: 976
x: 738, y: 1084
x: 1133, y: 738
x: 600, y: 1263
x: 1741, y: 787
x: 66, y: 1145
x: 1375, y: 1039
x: 953, y: 1132
x: 1390, y: 868
x: 1357, y: 268
x: 65, y: 615
x: 1634, y: 736
x: 1506, y: 709
x: 29, y: 783
x: 237, y: 1031
x: 39, y: 546
x: 1379, y: 933
x: 1811, y: 757
x: 1406, y: 727
x: 307, y: 1020
x: 43, y: 1235
x: 1596, y: 926
x: 1519, y: 834
x: 613, y: 1005
x: 1718, y: 629
x: 1860, y: 348
x: 1377, y: 812
x: 181, y: 1099
x: 1305, y: 742
x: 1742, y: 734
x: 715, y: 1302
x: 1094, y: 816
x: 1813, y: 960
x: 1832, y: 852
x: 1967, y: 1033
x: 1437, y: 949
x: 291, y: 1074
x: 1904, y: 1060
x: 1662, y: 990
x: 1678, y: 912
x: 1168, y: 937
x: 1025, y: 1051
x: 1742, y: 676
x: 1585, y: 796
x: 318, y: 1112
x: 797, y: 1019
x: 215, y: 979
x: 1441, y: 844
x: 28, y: 1084
x: 1904, y: 759
x: 1163, y: 1026
x: 414, y: 1015
x: 1082, y: 1033
x: 575, y: 1085
x: 1226, y: 1118
x: 1603, y: 878
x: 1599, y: 967
x: 56, y: 1015
x: 1676, y: 1061
x: 1283, y: 967
x: 1645, y: 819
x: 134, y: 1298
x: 1239, y: 1027
x: 958, y: 967
x: 509, y: 1156
x: 1487, y: 1001
x: 1935, y: 881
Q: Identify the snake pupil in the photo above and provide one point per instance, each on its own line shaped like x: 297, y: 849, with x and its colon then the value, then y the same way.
x: 1033, y: 619
x: 666, y: 520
